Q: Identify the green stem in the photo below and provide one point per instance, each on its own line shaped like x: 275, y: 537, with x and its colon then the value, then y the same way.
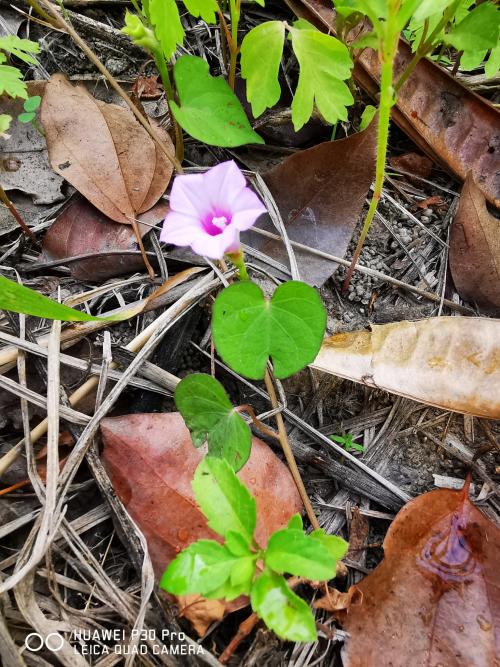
x: 386, y: 102
x: 239, y: 262
x: 169, y: 92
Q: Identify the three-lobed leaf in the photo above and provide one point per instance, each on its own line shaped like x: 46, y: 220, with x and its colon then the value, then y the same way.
x: 292, y: 551
x: 206, y: 9
x: 281, y: 610
x: 210, y: 416
x: 324, y: 65
x: 165, y: 18
x: 209, y: 110
x: 21, y: 48
x: 261, y: 73
x: 225, y: 501
x: 248, y: 329
x: 11, y: 81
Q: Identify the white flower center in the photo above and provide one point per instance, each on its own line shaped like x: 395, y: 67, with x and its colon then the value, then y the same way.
x: 220, y: 221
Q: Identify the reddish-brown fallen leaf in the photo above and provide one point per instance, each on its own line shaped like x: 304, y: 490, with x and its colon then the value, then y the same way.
x: 151, y: 461
x: 81, y: 229
x: 147, y: 88
x: 451, y: 124
x: 320, y: 193
x: 103, y: 151
x: 475, y: 249
x: 200, y: 612
x: 336, y: 601
x: 435, y: 598
x: 416, y: 164
x: 449, y: 362
x: 435, y: 200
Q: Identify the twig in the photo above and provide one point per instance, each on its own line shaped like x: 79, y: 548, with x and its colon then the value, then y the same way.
x: 5, y: 199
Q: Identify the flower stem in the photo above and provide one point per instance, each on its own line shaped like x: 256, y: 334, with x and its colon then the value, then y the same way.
x: 239, y: 262
x: 169, y: 92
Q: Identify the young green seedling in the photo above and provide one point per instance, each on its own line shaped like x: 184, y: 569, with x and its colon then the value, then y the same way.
x: 347, y: 442
x: 239, y: 566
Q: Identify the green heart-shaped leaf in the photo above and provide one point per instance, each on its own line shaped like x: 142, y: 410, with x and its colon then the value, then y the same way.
x: 210, y: 417
x: 247, y: 329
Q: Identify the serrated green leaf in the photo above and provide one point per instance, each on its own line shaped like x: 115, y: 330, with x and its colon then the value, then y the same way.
x: 206, y: 9
x: 11, y: 82
x: 21, y: 48
x: 210, y: 417
x: 32, y: 103
x: 200, y: 568
x: 336, y: 546
x: 26, y: 117
x: 296, y: 522
x: 292, y: 551
x: 224, y: 499
x: 5, y: 121
x: 479, y: 30
x: 281, y: 610
x: 261, y: 74
x: 165, y: 17
x: 247, y: 329
x: 324, y: 64
x: 242, y: 574
x: 493, y: 63
x: 237, y: 544
x: 209, y: 110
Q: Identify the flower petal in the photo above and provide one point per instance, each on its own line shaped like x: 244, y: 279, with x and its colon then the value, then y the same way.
x: 243, y: 220
x: 189, y: 195
x: 180, y: 229
x: 224, y: 182
x: 214, y: 247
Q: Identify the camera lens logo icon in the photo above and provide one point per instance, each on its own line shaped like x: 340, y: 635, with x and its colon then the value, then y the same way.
x: 35, y: 642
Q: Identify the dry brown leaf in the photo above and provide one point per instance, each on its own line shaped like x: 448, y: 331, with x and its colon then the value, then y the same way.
x: 320, y: 193
x: 475, y: 249
x: 449, y: 362
x: 81, y: 229
x: 103, y: 151
x: 151, y: 461
x: 435, y: 598
x: 200, y: 612
x: 420, y: 165
x: 336, y: 601
x: 452, y: 125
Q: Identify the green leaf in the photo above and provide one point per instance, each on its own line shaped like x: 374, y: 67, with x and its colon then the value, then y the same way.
x: 165, y: 17
x: 247, y: 329
x: 201, y: 568
x: 224, y: 499
x: 324, y: 64
x: 237, y: 544
x: 368, y: 40
x: 281, y: 610
x: 209, y: 110
x: 26, y: 117
x: 242, y: 574
x: 20, y: 299
x: 479, y: 30
x: 21, y: 48
x: 292, y: 551
x: 32, y: 103
x: 11, y: 82
x: 336, y: 546
x: 5, y: 121
x: 296, y: 522
x: 261, y: 74
x: 428, y: 8
x: 210, y: 416
x: 367, y: 116
x: 206, y: 9
x: 493, y: 63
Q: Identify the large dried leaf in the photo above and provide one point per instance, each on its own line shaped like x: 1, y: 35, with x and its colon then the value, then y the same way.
x: 475, y: 249
x: 151, y: 461
x: 454, y: 126
x: 81, y: 229
x: 435, y: 598
x: 449, y: 362
x: 103, y: 151
x: 320, y: 193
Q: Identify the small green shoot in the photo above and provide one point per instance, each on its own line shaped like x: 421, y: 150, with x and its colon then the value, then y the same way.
x: 30, y: 107
x: 347, y: 442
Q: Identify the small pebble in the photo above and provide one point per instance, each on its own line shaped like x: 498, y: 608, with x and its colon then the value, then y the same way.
x: 424, y: 218
x: 428, y: 211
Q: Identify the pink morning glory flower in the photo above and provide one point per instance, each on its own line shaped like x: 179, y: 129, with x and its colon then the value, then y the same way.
x: 208, y: 211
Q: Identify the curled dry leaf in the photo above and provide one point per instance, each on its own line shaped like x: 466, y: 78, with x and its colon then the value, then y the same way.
x: 151, y: 461
x: 320, y: 194
x: 200, y: 612
x: 103, y: 151
x: 81, y: 229
x: 475, y: 249
x: 449, y: 362
x: 335, y: 601
x: 452, y: 125
x: 435, y: 598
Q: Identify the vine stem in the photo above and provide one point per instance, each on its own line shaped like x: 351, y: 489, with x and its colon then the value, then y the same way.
x: 235, y: 10
x: 386, y: 102
x: 287, y: 450
x: 4, y: 198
